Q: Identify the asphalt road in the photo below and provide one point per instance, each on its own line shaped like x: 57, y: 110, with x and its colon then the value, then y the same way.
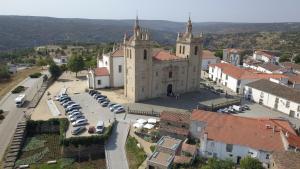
x: 15, y: 115
x: 115, y: 147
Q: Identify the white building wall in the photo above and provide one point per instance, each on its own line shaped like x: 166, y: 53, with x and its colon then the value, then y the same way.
x: 104, y: 62
x: 118, y: 77
x: 269, y: 100
x: 218, y: 149
x: 206, y: 62
x: 104, y: 82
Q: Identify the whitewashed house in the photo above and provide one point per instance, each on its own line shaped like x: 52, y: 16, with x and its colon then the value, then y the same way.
x: 62, y: 59
x: 233, y: 56
x: 208, y: 58
x: 109, y: 71
x: 12, y: 68
x: 235, y: 78
x: 274, y: 96
x: 226, y: 136
x: 265, y: 56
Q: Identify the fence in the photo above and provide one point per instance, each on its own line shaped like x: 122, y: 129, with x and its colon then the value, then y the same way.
x: 214, y: 107
x: 145, y: 113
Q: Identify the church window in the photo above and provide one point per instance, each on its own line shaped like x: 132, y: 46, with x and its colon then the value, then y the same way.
x: 145, y: 54
x: 170, y: 74
x: 180, y: 49
x: 183, y: 49
x: 99, y: 82
x: 196, y: 50
x: 130, y: 53
x: 105, y: 62
x: 120, y: 68
x: 156, y: 73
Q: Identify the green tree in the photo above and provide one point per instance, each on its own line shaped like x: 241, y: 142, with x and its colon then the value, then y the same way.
x: 297, y: 59
x: 214, y: 163
x: 75, y: 64
x: 41, y: 62
x: 55, y: 71
x: 90, y: 62
x: 250, y: 163
x: 285, y: 57
x: 4, y: 73
x: 219, y: 54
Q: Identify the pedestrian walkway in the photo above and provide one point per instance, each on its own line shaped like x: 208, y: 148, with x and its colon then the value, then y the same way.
x: 115, y: 147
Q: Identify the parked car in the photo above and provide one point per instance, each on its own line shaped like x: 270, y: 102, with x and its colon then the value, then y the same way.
x: 96, y: 95
x: 79, y: 122
x: 75, y: 114
x: 112, y: 108
x: 72, y: 112
x: 237, y: 108
x: 73, y: 108
x: 64, y: 98
x: 119, y: 110
x: 72, y: 105
x: 245, y: 107
x: 60, y: 96
x: 77, y: 118
x: 100, y: 97
x: 91, y: 92
x: 78, y: 130
x: 68, y: 103
x: 92, y: 129
x: 104, y: 104
x: 100, y: 127
x: 111, y: 104
x: 101, y: 101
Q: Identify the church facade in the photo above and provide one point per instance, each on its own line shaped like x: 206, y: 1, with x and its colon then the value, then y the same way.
x: 151, y: 72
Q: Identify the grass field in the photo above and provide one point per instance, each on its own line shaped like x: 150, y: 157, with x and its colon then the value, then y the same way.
x: 135, y: 155
x: 5, y: 87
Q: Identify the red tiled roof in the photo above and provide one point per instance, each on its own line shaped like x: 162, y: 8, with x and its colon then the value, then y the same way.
x: 173, y: 129
x: 239, y: 73
x: 294, y: 78
x: 182, y: 159
x: 101, y: 71
x: 268, y: 54
x: 291, y: 65
x: 192, y: 149
x: 118, y: 53
x: 175, y: 116
x: 206, y: 54
x: 270, y: 66
x: 165, y: 55
x: 245, y: 131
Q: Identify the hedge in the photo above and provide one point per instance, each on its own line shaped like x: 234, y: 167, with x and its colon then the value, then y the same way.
x: 35, y: 126
x: 95, y: 139
x: 18, y: 89
x: 35, y: 75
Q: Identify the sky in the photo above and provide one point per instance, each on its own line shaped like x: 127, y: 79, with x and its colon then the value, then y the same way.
x: 173, y: 10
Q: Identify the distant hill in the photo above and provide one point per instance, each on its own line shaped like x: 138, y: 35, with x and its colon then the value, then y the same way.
x: 28, y: 31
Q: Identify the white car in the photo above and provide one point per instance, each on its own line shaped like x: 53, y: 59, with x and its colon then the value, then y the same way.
x: 80, y: 122
x: 72, y: 105
x: 75, y: 114
x: 72, y: 112
x: 100, y: 127
x: 68, y: 103
x: 77, y: 118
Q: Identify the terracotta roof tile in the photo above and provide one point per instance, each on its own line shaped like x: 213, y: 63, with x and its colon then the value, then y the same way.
x: 286, y: 160
x: 175, y: 116
x: 172, y: 129
x: 276, y: 89
x: 192, y: 149
x: 165, y: 55
x: 291, y: 65
x: 251, y: 132
x: 239, y: 73
x: 118, y: 53
x: 270, y: 66
x: 267, y: 54
x: 182, y: 159
x: 206, y: 54
x: 101, y: 71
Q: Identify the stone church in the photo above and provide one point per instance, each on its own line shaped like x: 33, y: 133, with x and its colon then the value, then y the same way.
x: 151, y: 72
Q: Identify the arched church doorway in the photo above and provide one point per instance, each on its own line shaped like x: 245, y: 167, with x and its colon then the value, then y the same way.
x: 170, y: 90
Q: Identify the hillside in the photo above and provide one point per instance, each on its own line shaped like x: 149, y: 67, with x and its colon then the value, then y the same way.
x: 28, y: 31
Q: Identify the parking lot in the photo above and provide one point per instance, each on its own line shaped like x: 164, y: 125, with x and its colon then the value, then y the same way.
x: 92, y: 111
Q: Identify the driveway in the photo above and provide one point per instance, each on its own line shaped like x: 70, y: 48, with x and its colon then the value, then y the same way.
x: 115, y: 148
x: 15, y: 115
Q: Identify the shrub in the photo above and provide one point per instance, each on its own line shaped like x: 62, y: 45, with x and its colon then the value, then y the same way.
x: 35, y: 75
x: 33, y: 159
x: 64, y: 162
x: 152, y: 148
x: 18, y: 89
x: 34, y: 143
x: 1, y: 117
